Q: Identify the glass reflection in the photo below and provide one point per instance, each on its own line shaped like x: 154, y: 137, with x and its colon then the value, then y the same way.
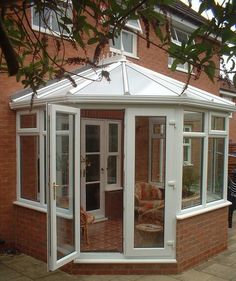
x: 150, y: 155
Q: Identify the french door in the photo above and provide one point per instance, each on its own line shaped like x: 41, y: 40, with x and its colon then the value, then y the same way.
x: 100, y: 162
x: 64, y: 178
x: 92, y: 167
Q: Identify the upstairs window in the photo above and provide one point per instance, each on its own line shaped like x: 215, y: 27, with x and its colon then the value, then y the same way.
x: 48, y: 20
x: 178, y: 37
x: 127, y: 41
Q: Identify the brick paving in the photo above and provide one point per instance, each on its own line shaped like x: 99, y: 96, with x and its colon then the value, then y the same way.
x: 222, y: 267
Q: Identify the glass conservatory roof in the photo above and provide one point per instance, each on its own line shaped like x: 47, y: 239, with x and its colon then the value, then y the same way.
x: 117, y: 80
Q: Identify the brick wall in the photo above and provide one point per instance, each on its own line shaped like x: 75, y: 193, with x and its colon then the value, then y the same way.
x: 198, y: 238
x: 31, y: 232
x: 7, y: 159
x: 201, y: 237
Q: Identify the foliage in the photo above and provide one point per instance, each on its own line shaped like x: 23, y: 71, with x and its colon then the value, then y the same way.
x: 26, y: 52
x: 190, y: 178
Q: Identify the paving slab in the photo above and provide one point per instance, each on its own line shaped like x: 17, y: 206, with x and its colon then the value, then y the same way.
x: 194, y: 275
x: 27, y: 266
x: 221, y: 271
x: 7, y: 273
x: 157, y: 278
x: 96, y: 277
x: 22, y: 278
x: 58, y: 276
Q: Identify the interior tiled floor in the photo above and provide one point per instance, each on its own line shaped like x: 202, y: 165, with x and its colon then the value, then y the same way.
x: 107, y: 236
x: 104, y: 236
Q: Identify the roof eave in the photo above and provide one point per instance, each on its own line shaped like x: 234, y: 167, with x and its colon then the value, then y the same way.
x: 128, y: 100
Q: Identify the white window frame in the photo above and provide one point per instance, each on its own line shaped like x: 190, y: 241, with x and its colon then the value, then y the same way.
x: 180, y: 67
x: 30, y: 132
x: 50, y: 29
x: 39, y: 131
x: 133, y: 54
x: 223, y: 135
x: 152, y: 136
x: 117, y: 185
x: 208, y: 133
x: 188, y: 162
x: 218, y: 132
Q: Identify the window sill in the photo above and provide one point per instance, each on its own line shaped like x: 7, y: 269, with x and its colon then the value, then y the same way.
x: 181, y: 69
x: 104, y: 258
x: 41, y: 209
x: 202, y: 211
x: 31, y: 206
x: 116, y: 51
x: 113, y: 188
x: 50, y: 32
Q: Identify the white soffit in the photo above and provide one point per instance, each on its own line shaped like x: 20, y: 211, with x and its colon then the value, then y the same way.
x: 129, y: 83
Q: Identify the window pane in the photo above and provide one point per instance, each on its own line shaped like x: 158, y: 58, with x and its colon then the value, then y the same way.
x: 182, y: 36
x: 29, y: 167
x: 92, y: 138
x: 62, y: 122
x: 192, y: 174
x: 217, y: 123
x: 127, y: 40
x: 173, y: 35
x: 215, y: 178
x: 194, y: 121
x: 62, y: 171
x: 112, y: 170
x: 93, y: 168
x: 65, y: 10
x: 28, y: 121
x: 92, y: 196
x: 117, y: 43
x: 55, y: 26
x: 133, y: 24
x: 149, y: 206
x: 113, y: 137
x: 41, y: 19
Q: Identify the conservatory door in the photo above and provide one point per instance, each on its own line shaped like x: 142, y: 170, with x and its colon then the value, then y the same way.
x: 150, y: 182
x: 63, y: 194
x: 92, y: 167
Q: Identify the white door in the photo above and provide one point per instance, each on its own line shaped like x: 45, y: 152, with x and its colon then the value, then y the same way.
x: 92, y: 167
x: 64, y: 178
x: 151, y: 182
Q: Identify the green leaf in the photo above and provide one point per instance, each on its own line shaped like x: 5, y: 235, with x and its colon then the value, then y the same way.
x: 228, y: 35
x: 210, y: 70
x: 92, y: 41
x: 234, y: 80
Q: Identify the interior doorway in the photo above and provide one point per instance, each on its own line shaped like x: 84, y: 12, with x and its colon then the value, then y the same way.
x: 101, y: 186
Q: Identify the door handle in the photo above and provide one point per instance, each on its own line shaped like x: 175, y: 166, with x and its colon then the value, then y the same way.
x: 54, y: 186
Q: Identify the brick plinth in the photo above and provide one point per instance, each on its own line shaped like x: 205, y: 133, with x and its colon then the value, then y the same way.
x: 201, y: 237
x: 31, y: 232
x: 198, y: 238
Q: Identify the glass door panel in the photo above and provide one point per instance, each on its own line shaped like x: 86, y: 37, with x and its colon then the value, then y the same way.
x: 149, y: 206
x: 92, y: 192
x: 63, y: 206
x: 150, y: 182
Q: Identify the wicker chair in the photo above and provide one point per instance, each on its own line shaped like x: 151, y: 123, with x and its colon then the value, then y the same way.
x: 85, y: 220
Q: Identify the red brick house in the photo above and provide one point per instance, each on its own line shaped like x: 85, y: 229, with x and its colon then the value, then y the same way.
x: 146, y: 161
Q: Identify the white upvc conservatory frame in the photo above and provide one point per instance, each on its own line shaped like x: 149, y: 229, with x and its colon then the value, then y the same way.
x: 164, y: 100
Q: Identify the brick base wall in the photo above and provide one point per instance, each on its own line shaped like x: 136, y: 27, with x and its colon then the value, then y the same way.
x: 31, y: 232
x: 198, y: 238
x: 201, y: 237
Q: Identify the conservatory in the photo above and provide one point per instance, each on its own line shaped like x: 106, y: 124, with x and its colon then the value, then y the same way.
x: 129, y: 168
